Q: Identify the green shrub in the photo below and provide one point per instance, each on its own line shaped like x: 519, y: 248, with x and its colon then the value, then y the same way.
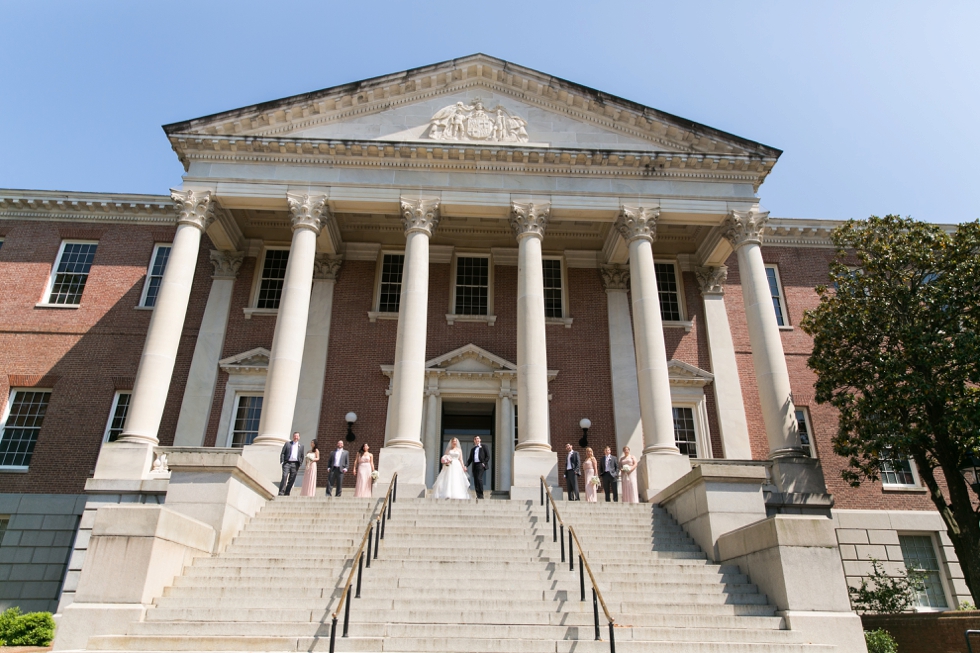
x: 879, y: 641
x: 883, y: 594
x: 31, y: 629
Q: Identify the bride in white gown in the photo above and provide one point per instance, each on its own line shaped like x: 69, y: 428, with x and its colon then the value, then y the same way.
x: 452, y: 482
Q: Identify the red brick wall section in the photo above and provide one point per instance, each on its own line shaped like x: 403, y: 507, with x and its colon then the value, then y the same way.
x: 86, y: 353
x: 930, y: 632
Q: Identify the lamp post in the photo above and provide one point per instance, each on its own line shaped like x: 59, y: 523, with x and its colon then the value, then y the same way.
x: 971, y: 472
x: 584, y: 424
x: 351, y: 417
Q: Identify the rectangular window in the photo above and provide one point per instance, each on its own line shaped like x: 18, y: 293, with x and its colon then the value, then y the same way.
x: 154, y: 274
x: 117, y: 416
x: 553, y: 306
x: 71, y: 272
x: 472, y: 285
x: 685, y: 435
x: 18, y: 435
x: 898, y: 472
x: 273, y: 276
x: 248, y: 411
x: 390, y: 290
x: 4, y: 522
x: 803, y: 424
x: 515, y: 426
x: 919, y: 553
x: 670, y: 303
x: 776, y: 291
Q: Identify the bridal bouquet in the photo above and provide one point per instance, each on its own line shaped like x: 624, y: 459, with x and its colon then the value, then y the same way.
x: 310, y: 457
x: 627, y: 468
x: 446, y: 460
x: 374, y: 475
x: 595, y: 481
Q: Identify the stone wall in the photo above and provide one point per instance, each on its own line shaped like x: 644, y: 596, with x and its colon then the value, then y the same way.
x: 36, y: 547
x: 929, y: 632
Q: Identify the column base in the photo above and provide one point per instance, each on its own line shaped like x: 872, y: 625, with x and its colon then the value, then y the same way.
x: 658, y: 470
x: 408, y: 463
x: 124, y: 460
x: 529, y: 467
x: 264, y: 457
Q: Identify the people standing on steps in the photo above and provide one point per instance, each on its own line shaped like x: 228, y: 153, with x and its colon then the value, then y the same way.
x: 572, y: 471
x: 337, y: 466
x: 609, y: 468
x: 290, y: 458
x: 452, y: 482
x: 363, y: 473
x: 591, y: 467
x: 477, y: 462
x: 309, y: 472
x: 628, y: 464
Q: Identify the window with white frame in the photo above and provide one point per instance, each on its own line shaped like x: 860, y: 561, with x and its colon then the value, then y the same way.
x: 154, y: 274
x: 472, y: 289
x: 919, y: 552
x: 805, y: 431
x: 776, y: 291
x: 390, y: 282
x: 685, y: 432
x: 70, y: 273
x: 245, y: 425
x: 21, y: 426
x: 898, y: 473
x: 272, y: 278
x: 117, y: 415
x: 670, y: 301
x: 553, y: 288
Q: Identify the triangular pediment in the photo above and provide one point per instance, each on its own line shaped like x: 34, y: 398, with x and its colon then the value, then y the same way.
x: 476, y: 100
x: 682, y: 373
x: 470, y: 358
x: 253, y: 361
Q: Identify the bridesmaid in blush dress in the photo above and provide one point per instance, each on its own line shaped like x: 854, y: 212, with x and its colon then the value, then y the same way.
x: 309, y: 473
x: 362, y: 473
x: 630, y: 493
x: 590, y: 465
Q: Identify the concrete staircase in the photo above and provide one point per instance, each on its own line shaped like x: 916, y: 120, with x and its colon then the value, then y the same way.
x: 460, y: 576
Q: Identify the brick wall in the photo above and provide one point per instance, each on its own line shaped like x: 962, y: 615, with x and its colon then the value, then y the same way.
x: 931, y: 632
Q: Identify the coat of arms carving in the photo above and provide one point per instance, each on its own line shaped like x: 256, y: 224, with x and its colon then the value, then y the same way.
x: 474, y: 122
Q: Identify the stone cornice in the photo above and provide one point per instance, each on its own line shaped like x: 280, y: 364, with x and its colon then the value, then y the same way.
x: 155, y: 210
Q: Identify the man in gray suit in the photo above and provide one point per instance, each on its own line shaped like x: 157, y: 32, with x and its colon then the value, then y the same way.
x: 609, y: 470
x: 572, y: 472
x: 290, y: 458
x: 336, y: 468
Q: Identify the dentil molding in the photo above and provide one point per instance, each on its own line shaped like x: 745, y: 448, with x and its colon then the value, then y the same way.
x: 529, y: 219
x: 420, y: 214
x: 637, y: 222
x: 194, y: 207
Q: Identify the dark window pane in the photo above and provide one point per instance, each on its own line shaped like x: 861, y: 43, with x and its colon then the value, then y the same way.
x: 390, y: 292
x: 273, y: 274
x: 20, y: 433
x: 774, y: 291
x: 119, y: 417
x: 552, y: 288
x: 472, y: 285
x: 804, y: 432
x: 684, y: 434
x: 897, y: 472
x: 919, y: 553
x: 670, y: 305
x: 72, y: 273
x: 155, y: 275
x: 246, y: 421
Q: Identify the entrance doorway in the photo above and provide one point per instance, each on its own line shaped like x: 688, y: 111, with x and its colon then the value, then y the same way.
x: 466, y: 420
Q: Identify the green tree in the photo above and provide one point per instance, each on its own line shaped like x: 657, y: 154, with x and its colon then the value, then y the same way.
x: 897, y: 353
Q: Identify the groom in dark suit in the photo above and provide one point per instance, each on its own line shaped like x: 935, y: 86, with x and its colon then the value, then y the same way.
x: 291, y: 457
x: 477, y: 462
x: 572, y: 472
x: 609, y: 470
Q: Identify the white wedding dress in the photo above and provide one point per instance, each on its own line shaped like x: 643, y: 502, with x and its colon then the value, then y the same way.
x: 452, y: 482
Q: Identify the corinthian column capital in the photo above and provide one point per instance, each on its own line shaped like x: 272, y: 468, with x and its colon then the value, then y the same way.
x: 637, y: 222
x: 744, y: 227
x: 615, y: 277
x: 421, y: 214
x: 226, y: 264
x: 194, y: 207
x: 529, y: 219
x: 326, y: 266
x: 712, y: 279
x: 308, y: 211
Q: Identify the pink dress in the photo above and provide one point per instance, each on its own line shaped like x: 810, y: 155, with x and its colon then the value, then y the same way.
x: 362, y: 485
x: 309, y: 479
x: 591, y: 496
x: 630, y: 494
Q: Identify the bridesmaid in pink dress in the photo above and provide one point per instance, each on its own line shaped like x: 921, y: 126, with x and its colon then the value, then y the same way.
x: 630, y: 494
x: 309, y: 474
x: 362, y: 472
x: 590, y: 465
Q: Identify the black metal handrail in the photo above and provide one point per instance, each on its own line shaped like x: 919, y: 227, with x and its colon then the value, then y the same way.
x: 583, y: 563
x: 375, y: 530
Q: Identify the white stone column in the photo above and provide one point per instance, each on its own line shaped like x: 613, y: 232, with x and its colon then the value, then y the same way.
x: 506, y: 448
x: 622, y: 359
x: 733, y: 426
x: 130, y: 456
x: 533, y: 457
x: 432, y: 440
x: 308, y: 214
x: 661, y: 463
x: 306, y: 417
x: 195, y: 409
x: 403, y: 451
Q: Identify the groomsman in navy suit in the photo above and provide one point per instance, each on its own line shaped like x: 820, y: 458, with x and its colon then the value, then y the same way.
x: 477, y: 462
x: 609, y: 470
x: 572, y: 472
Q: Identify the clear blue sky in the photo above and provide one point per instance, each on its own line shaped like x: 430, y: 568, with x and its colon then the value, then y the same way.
x: 875, y: 104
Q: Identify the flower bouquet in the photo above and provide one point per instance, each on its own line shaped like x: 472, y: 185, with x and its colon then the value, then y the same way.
x: 595, y: 481
x: 445, y: 460
x: 310, y: 459
x: 374, y: 475
x: 627, y: 468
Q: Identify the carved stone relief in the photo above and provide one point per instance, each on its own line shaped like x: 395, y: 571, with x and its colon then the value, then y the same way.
x: 615, y: 277
x: 474, y: 122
